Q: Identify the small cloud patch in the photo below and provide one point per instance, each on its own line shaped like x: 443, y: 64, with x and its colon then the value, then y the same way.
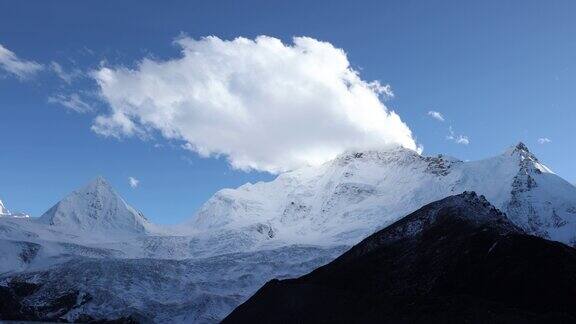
x: 458, y: 139
x: 544, y: 140
x: 133, y: 182
x: 436, y: 115
x: 71, y: 102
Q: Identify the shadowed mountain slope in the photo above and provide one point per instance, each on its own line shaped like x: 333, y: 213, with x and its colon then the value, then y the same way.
x: 455, y: 260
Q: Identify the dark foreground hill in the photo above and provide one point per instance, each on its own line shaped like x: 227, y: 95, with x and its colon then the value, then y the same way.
x: 456, y: 260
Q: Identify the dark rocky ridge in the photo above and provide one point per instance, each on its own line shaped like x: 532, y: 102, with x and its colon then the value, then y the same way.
x: 458, y: 260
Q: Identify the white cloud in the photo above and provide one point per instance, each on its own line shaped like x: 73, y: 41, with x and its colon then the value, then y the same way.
x: 458, y: 139
x: 66, y: 76
x: 16, y: 66
x: 461, y: 139
x: 544, y: 140
x: 133, y: 182
x: 436, y: 115
x: 262, y: 104
x: 73, y: 102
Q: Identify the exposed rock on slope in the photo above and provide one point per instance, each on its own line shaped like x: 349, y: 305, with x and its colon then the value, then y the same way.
x: 347, y: 199
x: 455, y: 260
x: 243, y: 237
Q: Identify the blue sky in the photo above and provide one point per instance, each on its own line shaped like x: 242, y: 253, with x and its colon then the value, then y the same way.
x: 499, y: 72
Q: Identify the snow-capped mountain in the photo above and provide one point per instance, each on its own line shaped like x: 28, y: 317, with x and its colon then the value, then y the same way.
x: 283, y: 228
x: 96, y: 208
x: 359, y: 192
x: 4, y: 212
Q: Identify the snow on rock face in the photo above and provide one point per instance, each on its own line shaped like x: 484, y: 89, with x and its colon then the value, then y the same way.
x: 4, y: 212
x: 350, y: 197
x: 541, y: 202
x: 242, y: 237
x: 468, y: 205
x: 96, y: 208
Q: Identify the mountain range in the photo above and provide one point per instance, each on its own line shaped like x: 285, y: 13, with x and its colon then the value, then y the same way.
x: 94, y: 257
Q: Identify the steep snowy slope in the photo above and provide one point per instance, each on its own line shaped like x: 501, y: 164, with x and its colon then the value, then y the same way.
x: 346, y: 199
x: 4, y: 212
x: 97, y: 210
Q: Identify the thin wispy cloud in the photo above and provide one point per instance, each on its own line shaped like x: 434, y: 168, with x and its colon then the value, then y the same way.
x: 458, y: 139
x: 436, y: 115
x: 71, y: 102
x: 452, y: 136
x: 544, y: 140
x: 15, y: 66
x: 65, y: 75
x: 262, y: 104
x: 133, y: 182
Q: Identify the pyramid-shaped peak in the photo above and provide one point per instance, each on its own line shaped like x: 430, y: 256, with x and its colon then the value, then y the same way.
x: 519, y: 148
x: 98, y: 187
x: 522, y: 151
x: 99, y: 182
x: 96, y: 206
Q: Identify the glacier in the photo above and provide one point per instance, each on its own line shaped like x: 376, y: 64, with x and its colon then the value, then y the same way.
x: 115, y: 263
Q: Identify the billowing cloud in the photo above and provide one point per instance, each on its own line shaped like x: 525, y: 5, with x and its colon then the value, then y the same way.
x: 436, y: 115
x: 133, y: 182
x: 458, y: 139
x: 12, y: 64
x: 544, y: 140
x: 72, y: 102
x: 262, y: 104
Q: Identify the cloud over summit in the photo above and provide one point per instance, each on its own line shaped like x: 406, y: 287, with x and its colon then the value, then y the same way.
x: 262, y: 104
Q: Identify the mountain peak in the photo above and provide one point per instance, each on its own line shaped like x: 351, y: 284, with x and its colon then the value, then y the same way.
x: 522, y: 147
x: 468, y: 205
x: 96, y: 206
x: 467, y: 211
x: 99, y: 183
x: 521, y: 150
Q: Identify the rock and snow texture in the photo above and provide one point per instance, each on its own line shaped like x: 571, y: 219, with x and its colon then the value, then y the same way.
x: 98, y: 252
x: 352, y: 196
x: 457, y: 260
x: 96, y: 209
x: 242, y: 237
x: 198, y: 290
x: 4, y: 212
